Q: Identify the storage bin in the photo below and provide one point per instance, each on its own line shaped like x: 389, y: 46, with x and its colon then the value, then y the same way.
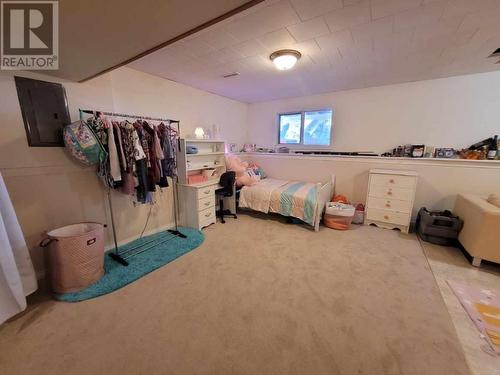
x: 76, y: 256
x: 359, y: 214
x: 438, y: 227
x: 196, y: 178
x: 338, y: 215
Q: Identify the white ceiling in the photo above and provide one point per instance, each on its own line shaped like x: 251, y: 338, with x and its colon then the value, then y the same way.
x: 345, y: 44
x: 95, y: 35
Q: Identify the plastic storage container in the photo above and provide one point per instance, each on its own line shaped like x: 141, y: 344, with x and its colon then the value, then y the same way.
x: 338, y: 215
x: 359, y: 214
x: 76, y: 256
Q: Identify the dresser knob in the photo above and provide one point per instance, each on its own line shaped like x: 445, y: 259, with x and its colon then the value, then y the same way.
x: 207, y: 215
x: 391, y: 181
x: 386, y: 217
x: 389, y: 192
x: 388, y: 205
x: 207, y: 203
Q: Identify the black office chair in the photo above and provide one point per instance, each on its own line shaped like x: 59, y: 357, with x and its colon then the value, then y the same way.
x: 227, y: 181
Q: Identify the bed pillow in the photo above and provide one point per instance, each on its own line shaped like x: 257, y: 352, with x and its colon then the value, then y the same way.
x: 257, y: 169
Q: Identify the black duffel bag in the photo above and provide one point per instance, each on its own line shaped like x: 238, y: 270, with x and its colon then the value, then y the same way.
x: 438, y: 227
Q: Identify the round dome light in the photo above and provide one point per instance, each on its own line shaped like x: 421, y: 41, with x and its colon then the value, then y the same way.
x: 285, y: 59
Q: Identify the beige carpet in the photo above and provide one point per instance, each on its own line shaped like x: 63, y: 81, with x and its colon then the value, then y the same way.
x: 258, y: 297
x: 448, y: 263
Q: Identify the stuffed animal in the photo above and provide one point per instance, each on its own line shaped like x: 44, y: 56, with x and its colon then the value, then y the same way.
x: 240, y: 167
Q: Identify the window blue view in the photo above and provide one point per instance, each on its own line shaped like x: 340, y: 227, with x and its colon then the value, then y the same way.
x: 308, y: 128
x: 317, y: 127
x: 290, y: 128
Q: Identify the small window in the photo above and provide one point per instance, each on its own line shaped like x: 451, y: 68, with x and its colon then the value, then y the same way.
x: 308, y: 128
x: 290, y: 128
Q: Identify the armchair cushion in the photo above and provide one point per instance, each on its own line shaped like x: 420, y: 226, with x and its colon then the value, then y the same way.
x: 494, y: 200
x: 479, y: 235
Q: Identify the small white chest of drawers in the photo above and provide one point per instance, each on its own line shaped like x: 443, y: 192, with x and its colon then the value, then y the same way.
x: 389, y: 202
x: 197, y: 204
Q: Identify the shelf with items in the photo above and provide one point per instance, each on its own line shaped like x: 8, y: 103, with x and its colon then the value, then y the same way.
x: 198, y: 167
x: 194, y: 140
x: 204, y: 147
x: 200, y: 160
x: 204, y: 154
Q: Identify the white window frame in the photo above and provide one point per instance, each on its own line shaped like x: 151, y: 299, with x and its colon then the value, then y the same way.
x: 301, y: 145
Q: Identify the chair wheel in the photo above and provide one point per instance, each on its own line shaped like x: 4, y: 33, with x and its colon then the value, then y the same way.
x: 223, y: 221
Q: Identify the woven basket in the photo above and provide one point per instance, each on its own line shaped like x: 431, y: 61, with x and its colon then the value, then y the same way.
x: 76, y: 256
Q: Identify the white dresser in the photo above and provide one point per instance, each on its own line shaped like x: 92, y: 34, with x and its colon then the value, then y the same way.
x: 197, y: 204
x: 390, y: 197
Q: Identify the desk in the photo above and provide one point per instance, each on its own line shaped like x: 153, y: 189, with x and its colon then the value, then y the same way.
x: 197, y: 204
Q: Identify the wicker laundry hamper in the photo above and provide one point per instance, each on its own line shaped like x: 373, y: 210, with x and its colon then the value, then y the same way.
x: 76, y: 256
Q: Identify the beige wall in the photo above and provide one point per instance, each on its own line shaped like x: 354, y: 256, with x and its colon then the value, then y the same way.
x: 49, y: 190
x: 449, y: 112
x: 438, y: 183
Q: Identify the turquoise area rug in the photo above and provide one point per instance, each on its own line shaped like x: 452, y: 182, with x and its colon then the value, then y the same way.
x: 158, y: 254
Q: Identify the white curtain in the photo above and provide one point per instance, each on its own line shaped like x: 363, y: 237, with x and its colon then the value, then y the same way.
x: 17, y: 276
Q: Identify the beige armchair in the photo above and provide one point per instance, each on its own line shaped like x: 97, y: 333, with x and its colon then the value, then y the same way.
x: 480, y: 235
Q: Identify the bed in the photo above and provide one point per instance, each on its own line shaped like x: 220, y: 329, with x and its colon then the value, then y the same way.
x: 302, y: 200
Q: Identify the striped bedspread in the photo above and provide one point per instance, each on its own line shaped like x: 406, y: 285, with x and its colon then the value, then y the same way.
x: 287, y: 198
x: 297, y: 199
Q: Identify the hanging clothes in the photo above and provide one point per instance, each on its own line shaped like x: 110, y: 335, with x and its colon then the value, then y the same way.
x: 114, y: 163
x: 147, y: 135
x: 141, y: 155
x: 119, y: 145
x: 132, y: 151
x: 168, y: 143
x: 98, y: 127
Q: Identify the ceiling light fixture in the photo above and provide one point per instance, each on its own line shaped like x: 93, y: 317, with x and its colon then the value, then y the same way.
x: 285, y: 59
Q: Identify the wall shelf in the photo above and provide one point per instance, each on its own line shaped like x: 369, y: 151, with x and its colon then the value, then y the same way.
x: 203, y: 141
x: 205, y: 154
x: 495, y: 164
x: 211, y: 155
x: 200, y: 168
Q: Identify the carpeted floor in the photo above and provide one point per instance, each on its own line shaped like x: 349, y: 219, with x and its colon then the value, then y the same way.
x: 448, y: 263
x: 257, y: 297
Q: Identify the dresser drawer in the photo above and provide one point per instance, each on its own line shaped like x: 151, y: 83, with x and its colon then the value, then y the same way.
x: 387, y: 216
x: 389, y: 204
x: 407, y: 182
x: 205, y: 192
x: 205, y: 203
x: 391, y: 192
x: 207, y: 214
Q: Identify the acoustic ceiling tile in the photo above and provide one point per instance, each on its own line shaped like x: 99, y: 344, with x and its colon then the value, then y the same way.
x: 277, y: 39
x: 309, y: 29
x: 349, y: 16
x: 308, y: 9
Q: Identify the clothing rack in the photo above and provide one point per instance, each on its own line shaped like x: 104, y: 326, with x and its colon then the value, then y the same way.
x: 114, y: 114
x: 121, y: 257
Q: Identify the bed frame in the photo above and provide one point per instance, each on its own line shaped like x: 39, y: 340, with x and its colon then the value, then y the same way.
x: 324, y: 193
